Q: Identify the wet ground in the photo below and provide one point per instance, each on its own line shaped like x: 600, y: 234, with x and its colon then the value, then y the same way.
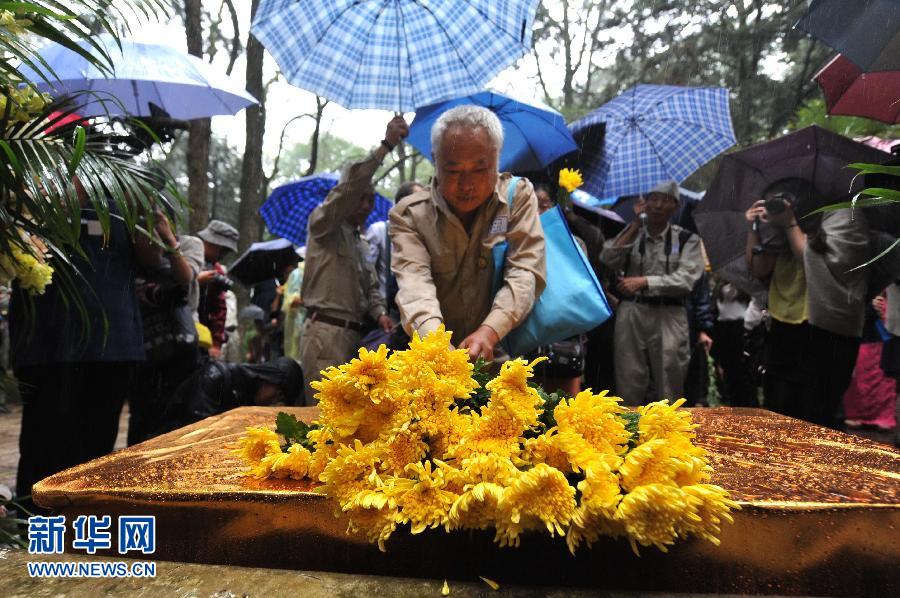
x: 9, y: 441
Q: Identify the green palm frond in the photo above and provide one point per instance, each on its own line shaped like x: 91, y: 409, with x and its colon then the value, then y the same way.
x: 38, y: 165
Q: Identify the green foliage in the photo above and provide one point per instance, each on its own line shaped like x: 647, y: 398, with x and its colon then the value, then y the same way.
x: 36, y: 193
x: 335, y: 152
x: 632, y: 419
x: 224, y: 176
x: 750, y: 47
x: 294, y: 430
x: 813, y: 112
x: 551, y: 400
x: 481, y: 374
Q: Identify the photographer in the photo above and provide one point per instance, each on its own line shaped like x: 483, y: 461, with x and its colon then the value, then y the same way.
x: 167, y: 293
x: 218, y: 238
x: 816, y: 298
x: 658, y: 264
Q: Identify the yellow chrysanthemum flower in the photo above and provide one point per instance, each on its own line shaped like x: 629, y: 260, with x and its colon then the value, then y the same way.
x: 582, y: 454
x: 376, y: 522
x: 490, y: 467
x: 370, y: 373
x: 596, y: 513
x: 596, y: 419
x: 477, y: 507
x: 31, y: 271
x: 570, y: 179
x: 711, y: 504
x: 423, y: 500
x: 653, y: 462
x: 293, y: 464
x: 546, y: 449
x: 432, y: 359
x: 653, y: 514
x: 539, y: 496
x: 403, y: 447
x: 256, y: 443
x: 455, y: 426
x: 350, y: 472
x: 662, y: 420
x: 341, y: 403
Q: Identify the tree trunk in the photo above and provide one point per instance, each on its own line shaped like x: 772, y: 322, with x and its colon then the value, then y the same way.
x: 314, y: 138
x: 199, y: 130
x: 249, y: 222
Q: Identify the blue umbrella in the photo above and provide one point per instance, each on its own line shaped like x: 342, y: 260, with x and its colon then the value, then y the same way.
x: 142, y: 74
x: 533, y: 136
x: 286, y: 211
x: 393, y: 54
x: 587, y: 200
x: 597, y: 206
x: 654, y: 133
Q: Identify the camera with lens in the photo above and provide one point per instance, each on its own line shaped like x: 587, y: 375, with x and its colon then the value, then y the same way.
x: 220, y: 282
x: 775, y: 204
x: 159, y: 292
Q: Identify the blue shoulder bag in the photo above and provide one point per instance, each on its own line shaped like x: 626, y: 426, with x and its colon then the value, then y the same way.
x: 573, y: 301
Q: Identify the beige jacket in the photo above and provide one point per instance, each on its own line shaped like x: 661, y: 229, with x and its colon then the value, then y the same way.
x: 338, y: 280
x: 445, y: 274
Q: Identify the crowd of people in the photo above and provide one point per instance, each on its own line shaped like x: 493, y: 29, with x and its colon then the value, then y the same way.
x: 155, y: 322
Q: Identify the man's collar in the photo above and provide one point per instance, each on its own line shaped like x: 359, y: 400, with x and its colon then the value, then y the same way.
x: 660, y: 235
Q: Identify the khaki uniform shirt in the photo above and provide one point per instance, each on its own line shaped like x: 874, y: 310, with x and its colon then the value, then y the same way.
x: 445, y: 273
x: 685, y: 264
x: 338, y: 280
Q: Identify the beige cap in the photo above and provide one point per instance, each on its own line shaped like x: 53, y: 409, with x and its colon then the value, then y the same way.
x: 669, y: 188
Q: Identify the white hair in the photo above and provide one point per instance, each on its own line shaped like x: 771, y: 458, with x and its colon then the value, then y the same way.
x: 468, y: 116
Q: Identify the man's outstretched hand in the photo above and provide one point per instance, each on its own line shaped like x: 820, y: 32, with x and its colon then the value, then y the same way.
x: 396, y: 131
x: 481, y: 343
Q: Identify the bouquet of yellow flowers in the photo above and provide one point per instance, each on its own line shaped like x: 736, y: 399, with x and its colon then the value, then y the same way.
x: 26, y: 261
x: 569, y: 180
x: 423, y: 437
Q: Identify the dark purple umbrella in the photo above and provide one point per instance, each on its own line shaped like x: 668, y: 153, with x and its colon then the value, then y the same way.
x: 851, y: 92
x: 865, y: 31
x: 813, y: 153
x: 263, y: 261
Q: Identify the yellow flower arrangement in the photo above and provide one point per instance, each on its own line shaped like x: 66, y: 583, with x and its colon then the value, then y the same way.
x: 570, y: 179
x: 412, y: 439
x: 28, y: 266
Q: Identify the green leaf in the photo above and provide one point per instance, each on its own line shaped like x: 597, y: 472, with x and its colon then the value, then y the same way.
x: 80, y: 140
x: 632, y: 418
x: 876, y: 199
x: 293, y: 430
x: 875, y: 168
x: 877, y: 257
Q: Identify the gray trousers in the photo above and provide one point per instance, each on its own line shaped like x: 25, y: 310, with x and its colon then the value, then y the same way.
x: 322, y: 346
x: 651, y: 343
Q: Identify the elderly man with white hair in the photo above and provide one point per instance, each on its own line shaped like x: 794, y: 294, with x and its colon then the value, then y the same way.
x: 443, y: 237
x: 657, y: 265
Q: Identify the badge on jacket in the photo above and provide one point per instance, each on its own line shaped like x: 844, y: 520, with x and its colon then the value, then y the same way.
x: 499, y: 226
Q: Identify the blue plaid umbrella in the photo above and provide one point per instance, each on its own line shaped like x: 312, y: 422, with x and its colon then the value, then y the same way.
x: 287, y: 209
x: 533, y: 136
x: 393, y: 54
x: 653, y: 133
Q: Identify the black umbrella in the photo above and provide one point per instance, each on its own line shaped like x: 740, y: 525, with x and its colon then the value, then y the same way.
x: 814, y: 154
x: 263, y: 261
x: 865, y: 31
